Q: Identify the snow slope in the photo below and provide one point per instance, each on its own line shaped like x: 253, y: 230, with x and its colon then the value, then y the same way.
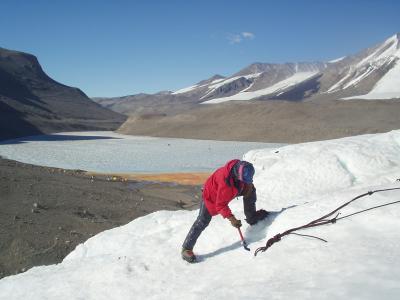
x: 388, y: 87
x: 276, y: 88
x: 336, y: 60
x: 141, y: 259
x: 185, y: 90
x: 215, y: 84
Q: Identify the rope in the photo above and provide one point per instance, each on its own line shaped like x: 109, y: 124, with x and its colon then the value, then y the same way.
x: 364, y: 210
x: 324, y: 220
x: 311, y: 236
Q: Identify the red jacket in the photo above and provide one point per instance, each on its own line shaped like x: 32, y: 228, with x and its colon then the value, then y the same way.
x: 217, y: 193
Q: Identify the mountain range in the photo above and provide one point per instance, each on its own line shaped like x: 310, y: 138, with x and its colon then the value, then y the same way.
x: 291, y: 102
x: 372, y: 73
x: 322, y: 100
x: 33, y: 103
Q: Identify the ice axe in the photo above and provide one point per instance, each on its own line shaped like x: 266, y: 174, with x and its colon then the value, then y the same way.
x: 243, y: 240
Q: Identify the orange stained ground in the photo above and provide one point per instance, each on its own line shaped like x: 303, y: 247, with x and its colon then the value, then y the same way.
x: 181, y: 178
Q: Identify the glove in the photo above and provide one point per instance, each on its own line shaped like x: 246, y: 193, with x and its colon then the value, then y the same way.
x: 235, y: 222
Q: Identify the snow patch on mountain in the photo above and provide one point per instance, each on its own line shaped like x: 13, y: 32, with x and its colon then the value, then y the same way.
x: 383, y: 55
x: 215, y: 84
x: 229, y: 80
x: 337, y: 60
x: 388, y: 87
x: 217, y: 80
x: 185, y: 90
x: 389, y: 48
x: 221, y: 82
x: 276, y: 88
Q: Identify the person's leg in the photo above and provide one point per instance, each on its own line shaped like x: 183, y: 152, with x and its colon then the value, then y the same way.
x: 197, y: 228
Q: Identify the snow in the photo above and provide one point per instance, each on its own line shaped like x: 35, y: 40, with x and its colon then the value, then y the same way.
x: 141, y: 260
x: 359, y: 76
x: 336, y: 60
x: 389, y: 48
x: 217, y: 80
x: 118, y: 153
x: 336, y: 86
x: 215, y: 84
x: 388, y: 87
x: 229, y: 80
x: 279, y: 86
x: 223, y: 82
x: 185, y: 90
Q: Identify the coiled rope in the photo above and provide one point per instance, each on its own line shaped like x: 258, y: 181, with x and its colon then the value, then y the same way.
x: 324, y: 220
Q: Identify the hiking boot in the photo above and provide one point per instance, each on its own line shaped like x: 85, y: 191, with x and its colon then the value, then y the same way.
x: 259, y: 215
x: 188, y: 255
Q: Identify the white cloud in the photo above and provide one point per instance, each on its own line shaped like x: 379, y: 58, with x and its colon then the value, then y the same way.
x: 236, y: 38
x: 248, y: 35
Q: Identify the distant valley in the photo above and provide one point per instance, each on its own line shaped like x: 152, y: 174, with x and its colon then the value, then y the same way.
x: 290, y: 102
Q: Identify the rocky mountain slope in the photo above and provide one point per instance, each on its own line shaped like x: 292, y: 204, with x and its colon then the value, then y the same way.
x: 142, y: 104
x: 32, y: 103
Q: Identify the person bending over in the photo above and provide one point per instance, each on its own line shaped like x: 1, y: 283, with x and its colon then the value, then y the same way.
x: 232, y: 180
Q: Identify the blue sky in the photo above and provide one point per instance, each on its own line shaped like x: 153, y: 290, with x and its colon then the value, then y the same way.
x: 116, y: 48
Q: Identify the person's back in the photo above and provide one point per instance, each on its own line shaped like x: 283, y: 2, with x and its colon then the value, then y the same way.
x: 220, y: 189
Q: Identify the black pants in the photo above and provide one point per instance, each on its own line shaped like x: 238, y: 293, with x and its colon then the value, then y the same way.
x: 204, y: 218
x: 202, y: 221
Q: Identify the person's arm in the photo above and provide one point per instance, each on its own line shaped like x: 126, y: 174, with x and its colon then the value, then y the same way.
x: 221, y: 203
x: 223, y: 198
x: 249, y: 191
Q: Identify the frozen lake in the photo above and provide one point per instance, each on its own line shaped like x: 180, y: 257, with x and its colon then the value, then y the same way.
x: 104, y: 151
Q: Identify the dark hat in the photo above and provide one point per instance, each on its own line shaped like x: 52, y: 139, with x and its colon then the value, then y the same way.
x: 244, y: 171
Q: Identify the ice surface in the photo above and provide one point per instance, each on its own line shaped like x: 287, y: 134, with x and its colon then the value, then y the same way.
x: 117, y: 153
x: 141, y: 260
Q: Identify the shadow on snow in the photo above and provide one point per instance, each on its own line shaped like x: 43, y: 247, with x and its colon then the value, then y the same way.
x: 252, y: 234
